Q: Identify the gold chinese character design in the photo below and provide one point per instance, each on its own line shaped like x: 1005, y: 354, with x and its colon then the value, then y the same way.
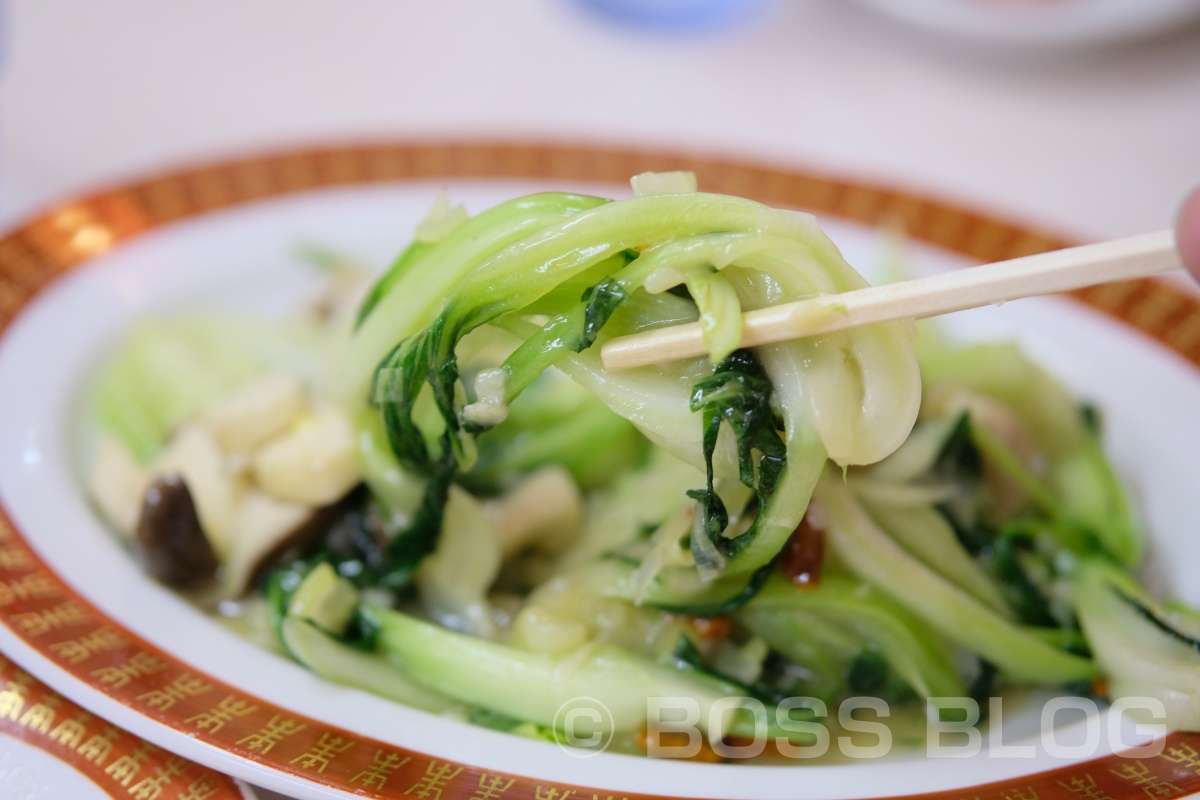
x: 271, y: 734
x: 14, y: 695
x: 63, y: 615
x: 28, y: 587
x: 138, y: 665
x: 491, y: 788
x: 1021, y: 793
x: 151, y: 787
x: 551, y: 793
x: 113, y: 759
x: 435, y: 779
x: 70, y: 732
x: 40, y: 716
x: 1084, y: 787
x: 215, y: 718
x: 181, y: 688
x: 1138, y: 773
x: 382, y: 766
x: 1183, y: 754
x: 200, y: 789
x: 126, y: 768
x: 323, y: 752
x: 14, y: 557
x: 79, y: 650
x: 99, y: 747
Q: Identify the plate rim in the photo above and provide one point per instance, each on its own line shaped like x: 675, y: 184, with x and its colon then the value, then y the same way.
x: 115, y: 761
x: 72, y: 233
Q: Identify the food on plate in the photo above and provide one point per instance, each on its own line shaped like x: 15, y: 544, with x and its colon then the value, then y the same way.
x: 428, y: 486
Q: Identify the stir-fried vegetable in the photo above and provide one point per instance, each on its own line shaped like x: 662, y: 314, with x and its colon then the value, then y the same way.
x: 528, y: 516
x: 852, y: 396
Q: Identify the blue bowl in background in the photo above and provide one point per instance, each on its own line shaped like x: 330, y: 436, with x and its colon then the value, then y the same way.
x: 677, y: 14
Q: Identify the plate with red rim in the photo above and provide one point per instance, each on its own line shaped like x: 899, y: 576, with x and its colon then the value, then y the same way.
x: 76, y: 613
x: 52, y: 748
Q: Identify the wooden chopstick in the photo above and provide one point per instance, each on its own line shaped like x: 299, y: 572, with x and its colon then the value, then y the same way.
x: 990, y: 284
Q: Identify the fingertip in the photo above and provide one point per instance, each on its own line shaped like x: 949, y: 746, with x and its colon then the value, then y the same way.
x: 1187, y: 233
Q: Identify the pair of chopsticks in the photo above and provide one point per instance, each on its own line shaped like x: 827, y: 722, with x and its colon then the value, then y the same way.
x: 974, y: 287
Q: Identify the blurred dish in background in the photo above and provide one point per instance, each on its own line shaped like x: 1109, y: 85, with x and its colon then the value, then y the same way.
x: 686, y: 15
x: 1042, y: 22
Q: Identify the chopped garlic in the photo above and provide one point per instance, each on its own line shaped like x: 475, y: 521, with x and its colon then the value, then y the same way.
x: 314, y: 464
x: 543, y: 630
x: 258, y: 412
x: 653, y: 183
x: 489, y: 408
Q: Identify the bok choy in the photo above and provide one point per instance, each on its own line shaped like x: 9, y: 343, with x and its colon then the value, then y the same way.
x: 495, y: 524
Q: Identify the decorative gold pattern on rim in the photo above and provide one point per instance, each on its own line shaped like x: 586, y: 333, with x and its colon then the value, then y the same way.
x: 49, y: 616
x: 119, y: 763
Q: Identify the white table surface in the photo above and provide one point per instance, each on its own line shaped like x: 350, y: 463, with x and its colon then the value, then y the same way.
x: 1095, y: 143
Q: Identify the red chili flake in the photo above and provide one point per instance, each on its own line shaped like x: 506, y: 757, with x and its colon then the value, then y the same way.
x: 677, y: 739
x: 803, y: 554
x: 710, y: 627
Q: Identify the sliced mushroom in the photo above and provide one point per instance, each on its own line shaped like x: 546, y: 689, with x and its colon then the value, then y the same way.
x: 117, y: 485
x: 544, y: 510
x: 263, y: 526
x: 193, y: 453
x: 267, y: 528
x: 168, y: 540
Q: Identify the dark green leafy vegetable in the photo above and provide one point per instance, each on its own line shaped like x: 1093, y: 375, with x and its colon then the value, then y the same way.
x: 738, y: 395
x: 867, y: 672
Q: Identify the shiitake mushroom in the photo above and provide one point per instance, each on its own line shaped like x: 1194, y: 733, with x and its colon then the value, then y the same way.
x: 168, y: 540
x: 172, y: 548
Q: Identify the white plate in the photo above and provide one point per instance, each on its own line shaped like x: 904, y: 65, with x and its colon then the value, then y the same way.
x: 88, y: 624
x: 1042, y: 23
